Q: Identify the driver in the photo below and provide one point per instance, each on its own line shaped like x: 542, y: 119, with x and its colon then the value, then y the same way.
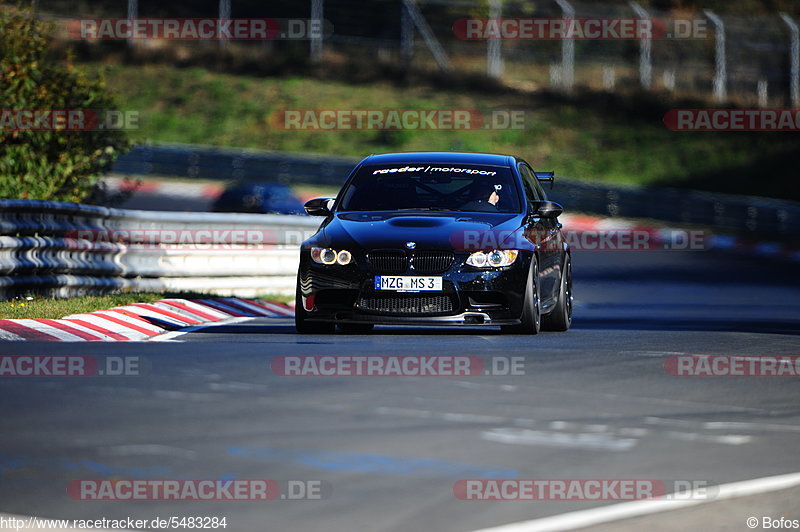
x: 486, y: 198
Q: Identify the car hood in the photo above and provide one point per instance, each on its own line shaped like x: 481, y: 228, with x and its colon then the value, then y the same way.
x: 434, y: 230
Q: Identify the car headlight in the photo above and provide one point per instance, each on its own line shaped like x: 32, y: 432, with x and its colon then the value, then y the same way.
x: 344, y: 257
x: 330, y: 256
x: 493, y: 259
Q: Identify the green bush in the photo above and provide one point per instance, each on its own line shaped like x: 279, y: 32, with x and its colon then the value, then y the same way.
x: 50, y: 165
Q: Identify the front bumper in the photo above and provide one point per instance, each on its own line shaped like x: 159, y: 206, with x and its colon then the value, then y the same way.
x: 346, y: 294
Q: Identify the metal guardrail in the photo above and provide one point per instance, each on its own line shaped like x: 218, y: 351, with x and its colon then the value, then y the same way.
x: 742, y: 215
x: 67, y: 249
x: 753, y: 216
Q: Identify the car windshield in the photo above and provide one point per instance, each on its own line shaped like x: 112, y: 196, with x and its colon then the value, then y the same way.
x: 433, y: 187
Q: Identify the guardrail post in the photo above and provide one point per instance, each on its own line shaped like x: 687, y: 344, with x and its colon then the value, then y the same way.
x: 567, y: 49
x: 494, y: 57
x: 645, y: 55
x: 794, y: 73
x: 721, y: 68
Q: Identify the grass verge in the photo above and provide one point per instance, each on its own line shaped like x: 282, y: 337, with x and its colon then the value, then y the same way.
x: 591, y: 135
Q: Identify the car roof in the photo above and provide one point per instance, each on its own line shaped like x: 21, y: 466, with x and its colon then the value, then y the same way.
x: 449, y: 157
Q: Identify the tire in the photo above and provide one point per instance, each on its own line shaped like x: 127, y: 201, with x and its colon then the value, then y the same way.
x: 531, y: 311
x: 560, y: 318
x: 301, y: 324
x: 356, y: 328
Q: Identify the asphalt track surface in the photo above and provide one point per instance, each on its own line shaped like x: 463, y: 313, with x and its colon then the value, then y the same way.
x: 594, y: 403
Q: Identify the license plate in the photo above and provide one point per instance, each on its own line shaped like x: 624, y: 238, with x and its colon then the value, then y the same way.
x: 408, y: 283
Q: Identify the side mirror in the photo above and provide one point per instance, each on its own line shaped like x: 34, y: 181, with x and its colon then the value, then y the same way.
x: 546, y: 209
x: 319, y: 206
x: 546, y: 176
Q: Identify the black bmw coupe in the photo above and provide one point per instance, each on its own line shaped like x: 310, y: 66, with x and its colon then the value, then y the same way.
x: 436, y: 238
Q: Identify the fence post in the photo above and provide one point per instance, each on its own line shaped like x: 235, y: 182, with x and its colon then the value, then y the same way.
x: 669, y: 80
x: 763, y: 93
x: 224, y: 12
x: 721, y: 69
x: 609, y: 76
x: 494, y: 56
x: 567, y: 49
x: 645, y: 55
x: 794, y: 75
x: 430, y: 39
x: 317, y: 15
x: 133, y: 12
x: 406, y: 35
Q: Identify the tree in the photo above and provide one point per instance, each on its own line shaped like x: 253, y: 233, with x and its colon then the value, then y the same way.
x: 58, y: 165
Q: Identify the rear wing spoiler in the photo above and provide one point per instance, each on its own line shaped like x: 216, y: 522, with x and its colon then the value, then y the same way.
x: 546, y: 176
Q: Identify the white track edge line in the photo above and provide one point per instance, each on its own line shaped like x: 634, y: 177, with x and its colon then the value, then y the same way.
x: 605, y: 514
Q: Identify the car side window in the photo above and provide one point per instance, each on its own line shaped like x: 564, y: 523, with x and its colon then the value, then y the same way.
x: 532, y: 192
x: 538, y: 187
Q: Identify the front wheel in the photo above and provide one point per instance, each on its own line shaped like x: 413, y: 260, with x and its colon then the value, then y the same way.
x: 301, y: 323
x: 531, y: 319
x: 561, y: 316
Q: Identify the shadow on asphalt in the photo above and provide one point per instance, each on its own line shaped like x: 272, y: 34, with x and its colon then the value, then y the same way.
x: 261, y: 328
x: 615, y: 323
